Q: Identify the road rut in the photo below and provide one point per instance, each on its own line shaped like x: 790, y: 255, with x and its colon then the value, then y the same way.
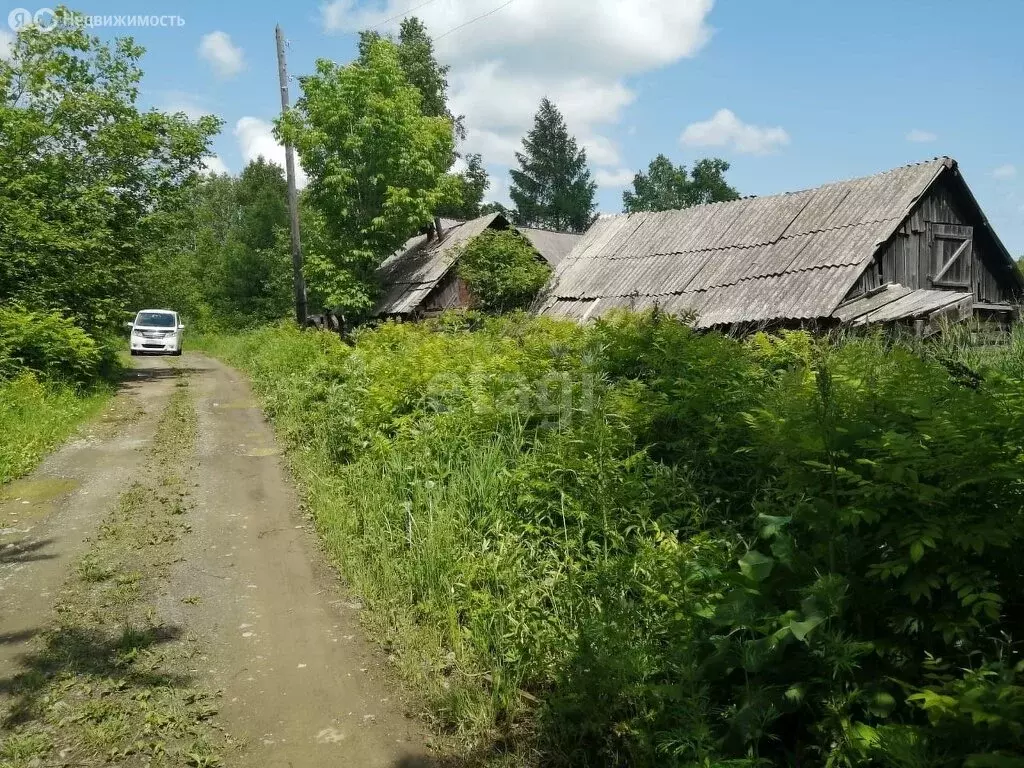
x: 247, y: 585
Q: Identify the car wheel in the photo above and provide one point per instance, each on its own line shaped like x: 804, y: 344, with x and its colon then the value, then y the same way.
x: 135, y: 353
x: 176, y: 353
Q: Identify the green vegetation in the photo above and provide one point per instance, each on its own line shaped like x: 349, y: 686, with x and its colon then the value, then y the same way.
x: 72, y: 263
x: 502, y: 271
x: 69, y: 120
x: 107, y: 683
x: 229, y: 265
x: 667, y: 187
x: 632, y: 544
x: 552, y: 187
x: 35, y: 417
x: 376, y: 163
x: 52, y: 377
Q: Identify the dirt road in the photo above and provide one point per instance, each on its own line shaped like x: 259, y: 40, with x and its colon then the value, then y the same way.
x: 158, y: 566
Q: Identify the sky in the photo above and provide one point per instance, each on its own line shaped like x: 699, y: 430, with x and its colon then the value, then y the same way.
x: 792, y: 94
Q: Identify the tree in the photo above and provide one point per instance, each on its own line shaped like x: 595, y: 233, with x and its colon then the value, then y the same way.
x: 472, y: 185
x: 667, y: 187
x: 256, y: 277
x: 223, y: 264
x: 552, y: 187
x: 88, y: 182
x: 496, y: 207
x: 502, y: 270
x: 430, y: 77
x: 376, y: 165
x: 421, y: 67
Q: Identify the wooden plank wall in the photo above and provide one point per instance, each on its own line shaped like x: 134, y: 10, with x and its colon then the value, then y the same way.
x: 450, y: 293
x: 911, y: 260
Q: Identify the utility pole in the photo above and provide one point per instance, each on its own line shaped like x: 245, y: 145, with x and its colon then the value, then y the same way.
x: 293, y: 196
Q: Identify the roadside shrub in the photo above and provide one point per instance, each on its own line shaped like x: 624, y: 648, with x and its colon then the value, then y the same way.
x: 635, y: 544
x: 49, y: 345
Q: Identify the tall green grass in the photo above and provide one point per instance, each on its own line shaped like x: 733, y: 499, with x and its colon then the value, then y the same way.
x: 631, y: 544
x: 36, y: 416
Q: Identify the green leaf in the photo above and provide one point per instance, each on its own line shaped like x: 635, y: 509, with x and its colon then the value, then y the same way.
x: 881, y: 704
x: 916, y: 551
x: 772, y: 525
x: 801, y: 629
x: 756, y: 566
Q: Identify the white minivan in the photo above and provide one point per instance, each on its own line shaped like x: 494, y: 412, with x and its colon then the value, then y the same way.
x: 156, y: 331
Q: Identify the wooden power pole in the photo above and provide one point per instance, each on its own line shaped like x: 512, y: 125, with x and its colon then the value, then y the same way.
x: 293, y: 196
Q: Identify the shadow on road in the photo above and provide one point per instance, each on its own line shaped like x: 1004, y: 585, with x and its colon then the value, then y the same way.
x: 134, y: 375
x: 429, y: 762
x: 84, y: 654
x: 25, y: 552
x: 17, y: 637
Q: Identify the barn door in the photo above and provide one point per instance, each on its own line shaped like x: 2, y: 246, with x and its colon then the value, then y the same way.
x: 952, y: 256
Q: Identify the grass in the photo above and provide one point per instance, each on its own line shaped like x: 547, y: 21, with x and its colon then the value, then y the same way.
x: 109, y: 683
x: 631, y: 544
x: 35, y: 417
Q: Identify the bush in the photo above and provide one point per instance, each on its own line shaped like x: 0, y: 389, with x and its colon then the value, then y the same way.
x: 634, y: 544
x: 502, y: 271
x: 49, y: 345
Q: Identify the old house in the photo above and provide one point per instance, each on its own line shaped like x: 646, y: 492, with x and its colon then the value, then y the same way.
x: 421, y: 279
x: 909, y: 245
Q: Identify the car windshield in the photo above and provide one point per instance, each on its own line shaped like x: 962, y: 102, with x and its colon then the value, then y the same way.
x: 155, y: 319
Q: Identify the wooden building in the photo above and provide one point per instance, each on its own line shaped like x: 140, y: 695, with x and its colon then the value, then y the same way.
x: 420, y: 279
x: 908, y: 245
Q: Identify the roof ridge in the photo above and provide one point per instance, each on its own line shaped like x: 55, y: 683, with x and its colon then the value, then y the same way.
x: 946, y: 160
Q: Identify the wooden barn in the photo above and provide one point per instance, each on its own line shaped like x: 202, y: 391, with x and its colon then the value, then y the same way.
x: 420, y: 279
x: 910, y: 245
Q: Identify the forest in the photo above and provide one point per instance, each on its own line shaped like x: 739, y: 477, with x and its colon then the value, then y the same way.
x: 626, y: 543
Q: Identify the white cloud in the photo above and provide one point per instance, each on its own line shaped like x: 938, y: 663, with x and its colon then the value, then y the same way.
x: 256, y: 139
x: 187, y: 103
x: 921, y: 137
x: 726, y: 130
x: 6, y: 45
x: 212, y: 164
x: 614, y: 179
x: 1007, y: 171
x: 577, y: 54
x: 497, y: 190
x: 601, y: 150
x: 226, y: 58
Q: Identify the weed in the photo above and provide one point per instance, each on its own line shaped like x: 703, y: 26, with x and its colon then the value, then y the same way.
x: 35, y: 416
x: 90, y: 569
x: 109, y: 682
x: 633, y: 544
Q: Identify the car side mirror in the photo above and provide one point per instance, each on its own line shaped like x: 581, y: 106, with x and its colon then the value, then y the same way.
x: 181, y: 326
x: 129, y: 326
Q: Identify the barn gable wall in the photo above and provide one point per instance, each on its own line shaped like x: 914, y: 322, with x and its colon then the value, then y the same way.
x: 929, y: 237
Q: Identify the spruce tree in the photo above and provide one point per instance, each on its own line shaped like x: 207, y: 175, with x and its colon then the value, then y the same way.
x: 552, y: 187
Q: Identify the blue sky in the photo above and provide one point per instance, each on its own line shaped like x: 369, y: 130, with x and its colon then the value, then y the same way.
x: 792, y: 94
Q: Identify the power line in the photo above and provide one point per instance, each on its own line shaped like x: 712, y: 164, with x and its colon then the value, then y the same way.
x: 403, y: 13
x: 477, y: 18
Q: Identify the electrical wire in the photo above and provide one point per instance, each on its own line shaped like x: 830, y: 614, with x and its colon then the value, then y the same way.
x: 403, y: 13
x: 475, y: 19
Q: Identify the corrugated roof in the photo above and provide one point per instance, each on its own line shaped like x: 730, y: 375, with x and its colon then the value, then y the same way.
x: 409, y: 275
x: 552, y: 246
x: 896, y: 302
x: 789, y: 256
